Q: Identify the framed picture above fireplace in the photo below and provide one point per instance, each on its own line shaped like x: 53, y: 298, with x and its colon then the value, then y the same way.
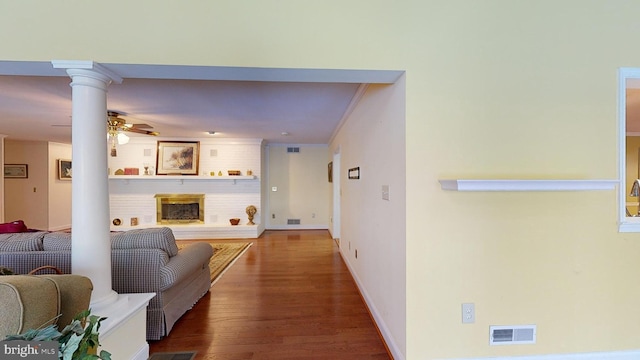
x: 177, y: 158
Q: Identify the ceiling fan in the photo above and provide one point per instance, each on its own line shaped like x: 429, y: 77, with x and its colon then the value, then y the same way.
x: 117, y: 126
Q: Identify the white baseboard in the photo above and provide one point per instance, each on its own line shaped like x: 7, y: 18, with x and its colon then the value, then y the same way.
x: 382, y: 326
x: 59, y: 228
x: 611, y: 355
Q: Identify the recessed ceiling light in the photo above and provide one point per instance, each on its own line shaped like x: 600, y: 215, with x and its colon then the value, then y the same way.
x: 211, y: 132
x: 284, y: 133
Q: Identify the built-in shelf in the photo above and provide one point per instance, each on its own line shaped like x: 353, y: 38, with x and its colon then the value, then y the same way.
x: 527, y: 185
x: 180, y: 178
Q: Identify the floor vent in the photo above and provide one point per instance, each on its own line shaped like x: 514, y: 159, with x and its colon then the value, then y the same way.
x: 513, y: 335
x: 293, y: 221
x: 293, y: 149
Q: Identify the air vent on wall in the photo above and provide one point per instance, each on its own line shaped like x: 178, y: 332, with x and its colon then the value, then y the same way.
x: 293, y: 221
x: 512, y: 335
x: 293, y: 149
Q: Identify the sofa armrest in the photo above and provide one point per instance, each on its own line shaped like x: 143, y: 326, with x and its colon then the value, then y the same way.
x: 190, y: 259
x: 137, y: 270
x: 21, y: 262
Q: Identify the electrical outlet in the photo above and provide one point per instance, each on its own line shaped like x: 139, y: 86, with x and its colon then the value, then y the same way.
x: 468, y: 313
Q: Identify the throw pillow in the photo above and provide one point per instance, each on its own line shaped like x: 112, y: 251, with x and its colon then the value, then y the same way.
x: 13, y: 227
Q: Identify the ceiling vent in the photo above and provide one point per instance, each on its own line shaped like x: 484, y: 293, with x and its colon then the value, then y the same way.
x: 293, y: 149
x: 513, y: 335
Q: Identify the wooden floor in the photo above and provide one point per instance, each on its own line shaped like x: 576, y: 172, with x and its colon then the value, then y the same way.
x: 290, y: 296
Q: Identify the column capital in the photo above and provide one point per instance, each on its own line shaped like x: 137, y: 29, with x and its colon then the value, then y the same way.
x: 87, y: 65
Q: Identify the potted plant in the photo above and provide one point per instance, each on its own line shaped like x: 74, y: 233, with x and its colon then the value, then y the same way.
x: 77, y: 341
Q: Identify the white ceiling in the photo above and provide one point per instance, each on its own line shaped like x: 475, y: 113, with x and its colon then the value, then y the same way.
x: 188, y: 101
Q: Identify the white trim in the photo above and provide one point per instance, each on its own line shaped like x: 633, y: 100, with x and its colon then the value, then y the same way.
x: 377, y: 318
x: 626, y: 76
x: 610, y: 355
x: 528, y: 185
x: 87, y: 65
x: 190, y: 72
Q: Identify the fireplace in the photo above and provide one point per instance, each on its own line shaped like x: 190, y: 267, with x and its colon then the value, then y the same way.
x: 180, y: 208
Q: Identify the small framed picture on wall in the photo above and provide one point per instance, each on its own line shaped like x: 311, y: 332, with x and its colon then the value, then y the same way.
x: 16, y: 171
x: 64, y: 169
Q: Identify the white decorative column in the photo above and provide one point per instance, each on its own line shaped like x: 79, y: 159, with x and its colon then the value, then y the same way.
x: 123, y: 332
x: 91, y: 243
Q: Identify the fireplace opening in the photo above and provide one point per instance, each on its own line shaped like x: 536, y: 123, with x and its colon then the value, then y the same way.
x: 180, y: 208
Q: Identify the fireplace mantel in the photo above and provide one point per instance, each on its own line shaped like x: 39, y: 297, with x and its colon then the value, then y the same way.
x: 180, y: 177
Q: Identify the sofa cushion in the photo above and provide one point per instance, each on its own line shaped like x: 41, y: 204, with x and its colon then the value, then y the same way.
x: 27, y: 241
x: 152, y: 238
x: 23, y: 308
x: 57, y: 241
x: 13, y: 227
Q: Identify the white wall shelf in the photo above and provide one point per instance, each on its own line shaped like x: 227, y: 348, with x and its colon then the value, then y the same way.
x: 527, y: 185
x: 179, y: 178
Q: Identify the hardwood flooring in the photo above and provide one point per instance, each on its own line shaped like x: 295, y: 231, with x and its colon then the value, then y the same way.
x: 290, y: 296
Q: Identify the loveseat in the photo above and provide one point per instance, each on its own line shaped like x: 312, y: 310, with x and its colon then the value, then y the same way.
x: 143, y: 261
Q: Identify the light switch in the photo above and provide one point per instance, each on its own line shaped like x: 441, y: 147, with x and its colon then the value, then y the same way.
x: 385, y: 192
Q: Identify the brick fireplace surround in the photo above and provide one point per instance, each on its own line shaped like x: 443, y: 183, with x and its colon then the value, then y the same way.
x: 134, y: 197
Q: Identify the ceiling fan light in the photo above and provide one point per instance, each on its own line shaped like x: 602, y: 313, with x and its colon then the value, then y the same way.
x: 122, y: 139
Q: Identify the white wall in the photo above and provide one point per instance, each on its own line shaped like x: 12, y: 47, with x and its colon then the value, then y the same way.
x: 303, y: 190
x: 373, y: 139
x: 224, y: 199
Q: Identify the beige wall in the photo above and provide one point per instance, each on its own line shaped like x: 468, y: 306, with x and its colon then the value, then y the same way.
x: 303, y: 187
x: 26, y: 199
x: 59, y: 190
x: 494, y: 89
x: 41, y: 200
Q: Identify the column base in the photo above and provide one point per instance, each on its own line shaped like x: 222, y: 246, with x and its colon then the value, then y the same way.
x: 124, y: 332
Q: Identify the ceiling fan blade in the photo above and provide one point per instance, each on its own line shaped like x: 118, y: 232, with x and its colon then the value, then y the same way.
x: 119, y: 123
x: 140, y: 131
x: 139, y: 126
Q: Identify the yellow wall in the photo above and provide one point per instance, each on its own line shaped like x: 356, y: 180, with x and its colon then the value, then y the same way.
x: 494, y: 89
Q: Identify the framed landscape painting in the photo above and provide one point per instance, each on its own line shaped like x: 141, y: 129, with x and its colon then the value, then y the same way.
x: 16, y: 171
x: 177, y: 158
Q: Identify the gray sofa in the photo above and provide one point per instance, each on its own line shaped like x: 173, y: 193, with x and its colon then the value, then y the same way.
x: 143, y: 261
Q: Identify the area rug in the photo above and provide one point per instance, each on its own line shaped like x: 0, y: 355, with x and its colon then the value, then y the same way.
x: 224, y: 255
x: 186, y: 355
